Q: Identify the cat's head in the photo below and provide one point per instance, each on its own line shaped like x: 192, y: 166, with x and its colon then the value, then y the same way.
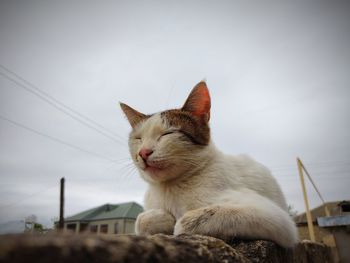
x: 169, y: 144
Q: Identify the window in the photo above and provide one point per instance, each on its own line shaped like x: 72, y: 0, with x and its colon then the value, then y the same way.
x: 116, y: 228
x: 83, y: 227
x: 71, y: 227
x: 93, y: 229
x: 104, y: 228
x: 345, y: 207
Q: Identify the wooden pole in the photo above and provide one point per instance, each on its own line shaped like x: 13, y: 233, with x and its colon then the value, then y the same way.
x: 314, y: 185
x: 61, y: 220
x: 308, y: 214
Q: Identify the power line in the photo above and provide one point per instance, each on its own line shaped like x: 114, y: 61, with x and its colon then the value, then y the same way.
x: 56, y: 100
x: 55, y: 139
x: 322, y: 172
x: 315, y: 164
x: 61, y: 106
x: 336, y: 176
x: 29, y: 196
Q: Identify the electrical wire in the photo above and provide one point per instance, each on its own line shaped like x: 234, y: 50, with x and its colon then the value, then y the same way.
x: 88, y: 122
x: 56, y: 139
x: 313, y: 164
x: 29, y: 196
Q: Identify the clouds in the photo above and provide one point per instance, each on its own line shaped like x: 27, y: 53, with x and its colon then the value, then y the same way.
x: 278, y: 75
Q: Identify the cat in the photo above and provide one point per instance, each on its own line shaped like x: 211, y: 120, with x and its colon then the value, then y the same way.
x: 194, y: 188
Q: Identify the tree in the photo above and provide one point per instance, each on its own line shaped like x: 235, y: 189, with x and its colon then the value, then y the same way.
x: 38, y: 227
x: 31, y: 225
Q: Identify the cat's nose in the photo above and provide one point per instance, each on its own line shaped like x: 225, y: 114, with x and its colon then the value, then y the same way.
x: 144, y: 153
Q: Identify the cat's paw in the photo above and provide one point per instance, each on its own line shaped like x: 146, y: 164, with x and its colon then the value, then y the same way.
x: 198, y: 221
x: 154, y: 221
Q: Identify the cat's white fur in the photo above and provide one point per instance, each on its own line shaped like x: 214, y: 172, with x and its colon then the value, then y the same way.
x: 203, y: 191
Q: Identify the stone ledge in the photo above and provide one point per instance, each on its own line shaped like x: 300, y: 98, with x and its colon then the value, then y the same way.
x: 158, y: 248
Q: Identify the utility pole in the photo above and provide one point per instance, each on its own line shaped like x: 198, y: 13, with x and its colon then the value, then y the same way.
x: 308, y: 214
x: 61, y: 220
x: 316, y: 189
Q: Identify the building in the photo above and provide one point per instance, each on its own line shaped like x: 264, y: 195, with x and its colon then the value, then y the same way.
x: 107, y: 219
x: 333, y: 230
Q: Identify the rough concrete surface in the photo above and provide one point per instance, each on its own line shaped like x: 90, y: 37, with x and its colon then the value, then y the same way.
x: 157, y: 248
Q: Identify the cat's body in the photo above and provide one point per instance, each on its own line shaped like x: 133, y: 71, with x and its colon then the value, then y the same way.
x: 196, y: 189
x: 221, y: 173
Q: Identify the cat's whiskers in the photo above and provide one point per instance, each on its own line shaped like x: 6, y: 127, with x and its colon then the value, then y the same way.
x: 121, y: 160
x: 127, y: 168
x: 131, y: 170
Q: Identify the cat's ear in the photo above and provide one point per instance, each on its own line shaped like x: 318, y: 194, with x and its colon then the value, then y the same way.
x: 198, y: 102
x: 134, y: 117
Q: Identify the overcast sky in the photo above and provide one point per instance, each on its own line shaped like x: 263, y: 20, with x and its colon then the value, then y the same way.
x: 278, y: 73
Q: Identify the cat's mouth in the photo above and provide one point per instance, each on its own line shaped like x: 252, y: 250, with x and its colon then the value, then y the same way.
x: 151, y: 166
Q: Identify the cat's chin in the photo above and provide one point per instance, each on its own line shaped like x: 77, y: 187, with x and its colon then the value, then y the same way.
x: 155, y: 167
x: 156, y: 174
x: 153, y: 170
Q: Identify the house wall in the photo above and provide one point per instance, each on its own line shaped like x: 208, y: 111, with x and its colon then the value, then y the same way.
x: 342, y: 239
x: 111, y: 223
x: 125, y: 226
x: 129, y: 226
x: 320, y: 233
x: 338, y: 238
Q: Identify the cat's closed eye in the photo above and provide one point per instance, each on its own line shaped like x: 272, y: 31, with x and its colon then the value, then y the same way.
x: 166, y: 134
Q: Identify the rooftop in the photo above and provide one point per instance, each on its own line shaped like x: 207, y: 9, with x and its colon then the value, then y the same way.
x: 108, y: 211
x: 330, y: 221
x: 335, y: 209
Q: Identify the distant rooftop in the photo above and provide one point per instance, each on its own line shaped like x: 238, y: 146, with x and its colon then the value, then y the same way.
x: 108, y: 211
x: 336, y: 208
x: 331, y: 221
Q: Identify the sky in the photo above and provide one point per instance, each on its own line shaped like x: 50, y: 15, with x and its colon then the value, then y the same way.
x: 278, y: 74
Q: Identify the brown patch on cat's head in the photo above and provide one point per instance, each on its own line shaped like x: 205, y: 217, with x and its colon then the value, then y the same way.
x: 192, y: 119
x: 134, y: 117
x: 191, y: 126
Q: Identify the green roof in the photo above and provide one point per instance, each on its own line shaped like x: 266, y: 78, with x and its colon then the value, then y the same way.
x: 108, y: 211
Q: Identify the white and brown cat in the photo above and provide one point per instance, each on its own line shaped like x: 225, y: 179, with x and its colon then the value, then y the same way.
x: 196, y: 189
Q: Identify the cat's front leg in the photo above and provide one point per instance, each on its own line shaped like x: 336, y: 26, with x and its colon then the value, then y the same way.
x: 154, y: 221
x: 198, y: 221
x: 227, y: 221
